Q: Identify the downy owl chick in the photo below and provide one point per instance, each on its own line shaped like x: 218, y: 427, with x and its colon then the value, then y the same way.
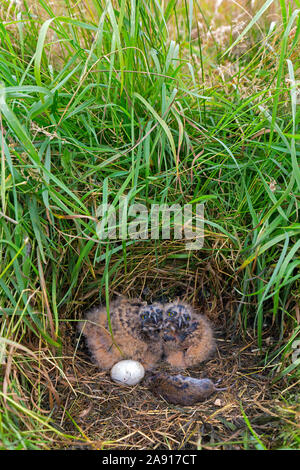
x: 187, y: 336
x: 134, y: 327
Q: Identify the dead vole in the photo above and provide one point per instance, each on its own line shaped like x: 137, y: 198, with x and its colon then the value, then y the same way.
x: 181, y: 390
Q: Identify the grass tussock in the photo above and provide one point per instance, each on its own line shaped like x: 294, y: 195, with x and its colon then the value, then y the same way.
x: 174, y: 103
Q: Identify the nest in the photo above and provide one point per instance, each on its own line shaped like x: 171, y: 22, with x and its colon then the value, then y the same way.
x: 99, y: 414
x: 104, y: 415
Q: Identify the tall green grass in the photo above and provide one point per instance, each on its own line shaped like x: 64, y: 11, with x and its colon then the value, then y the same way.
x: 121, y: 99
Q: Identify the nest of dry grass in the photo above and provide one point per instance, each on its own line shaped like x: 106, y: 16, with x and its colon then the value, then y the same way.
x: 105, y: 415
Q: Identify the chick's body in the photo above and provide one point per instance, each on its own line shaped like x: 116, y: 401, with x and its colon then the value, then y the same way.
x: 135, y: 328
x: 187, y: 336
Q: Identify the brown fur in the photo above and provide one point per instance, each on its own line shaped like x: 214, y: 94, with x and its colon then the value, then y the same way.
x: 181, y: 390
x: 190, y: 344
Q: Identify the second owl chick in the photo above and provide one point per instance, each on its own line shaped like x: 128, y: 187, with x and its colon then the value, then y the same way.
x: 187, y: 336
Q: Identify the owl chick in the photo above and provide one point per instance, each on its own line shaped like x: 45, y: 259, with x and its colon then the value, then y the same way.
x: 136, y: 333
x: 151, y: 318
x: 149, y: 328
x: 187, y: 336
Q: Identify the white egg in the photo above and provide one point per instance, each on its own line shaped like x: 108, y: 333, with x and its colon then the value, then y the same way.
x: 127, y: 372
